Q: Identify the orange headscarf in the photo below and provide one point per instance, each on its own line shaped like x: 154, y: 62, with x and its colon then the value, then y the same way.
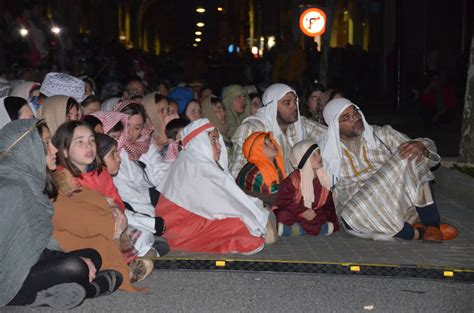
x: 253, y: 152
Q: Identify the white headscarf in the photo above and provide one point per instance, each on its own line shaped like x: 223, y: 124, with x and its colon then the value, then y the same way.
x: 331, y: 142
x: 23, y: 89
x: 268, y: 113
x: 196, y: 183
x: 4, y: 117
x: 108, y: 104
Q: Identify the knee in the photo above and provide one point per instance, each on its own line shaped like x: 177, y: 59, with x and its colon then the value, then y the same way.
x: 75, y: 269
x: 95, y: 258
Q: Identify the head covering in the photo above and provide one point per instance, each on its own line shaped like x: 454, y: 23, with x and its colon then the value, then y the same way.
x: 331, y: 143
x: 268, y: 113
x: 23, y: 90
x: 105, y: 143
x: 181, y: 95
x: 5, y: 87
x: 63, y: 84
x: 109, y: 104
x: 109, y: 120
x: 25, y: 217
x: 151, y: 110
x: 141, y: 146
x: 196, y: 173
x: 299, y: 157
x: 253, y: 152
x: 9, y: 108
x: 208, y: 112
x: 233, y: 119
x: 92, y: 121
x: 53, y: 111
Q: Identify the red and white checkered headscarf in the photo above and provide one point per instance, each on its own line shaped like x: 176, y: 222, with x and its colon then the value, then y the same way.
x: 110, y: 119
x: 142, y: 144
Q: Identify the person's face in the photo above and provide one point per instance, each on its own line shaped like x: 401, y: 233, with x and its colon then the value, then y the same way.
x: 25, y: 113
x: 173, y: 108
x: 163, y: 90
x: 216, y: 146
x: 193, y: 111
x: 73, y: 114
x: 83, y: 149
x: 50, y: 150
x: 238, y: 104
x: 316, y: 160
x: 269, y: 149
x: 91, y: 108
x: 99, y: 129
x: 206, y: 93
x: 350, y: 123
x: 255, y: 105
x: 87, y: 89
x: 219, y: 111
x: 313, y: 100
x: 163, y: 109
x: 112, y: 161
x: 288, y: 109
x: 135, y: 126
x: 135, y: 88
x: 115, y: 135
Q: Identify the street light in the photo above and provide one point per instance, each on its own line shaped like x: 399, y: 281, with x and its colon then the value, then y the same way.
x: 198, y: 33
x: 195, y: 44
x: 200, y: 24
x: 200, y: 10
x: 23, y: 32
x: 197, y: 39
x: 55, y: 30
x: 220, y: 9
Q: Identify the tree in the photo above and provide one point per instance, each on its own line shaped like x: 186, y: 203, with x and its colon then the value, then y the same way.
x: 466, y: 150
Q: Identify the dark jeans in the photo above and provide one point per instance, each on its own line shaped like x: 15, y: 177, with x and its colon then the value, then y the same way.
x: 54, y: 268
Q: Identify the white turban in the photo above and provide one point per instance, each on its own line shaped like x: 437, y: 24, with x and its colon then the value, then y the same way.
x: 56, y: 84
x: 331, y: 142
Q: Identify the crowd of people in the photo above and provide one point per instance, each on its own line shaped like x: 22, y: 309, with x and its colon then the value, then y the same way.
x: 95, y: 185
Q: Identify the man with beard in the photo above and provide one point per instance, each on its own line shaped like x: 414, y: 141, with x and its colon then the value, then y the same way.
x: 380, y: 178
x: 279, y: 115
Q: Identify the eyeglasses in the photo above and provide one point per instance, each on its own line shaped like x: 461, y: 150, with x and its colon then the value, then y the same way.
x: 350, y: 116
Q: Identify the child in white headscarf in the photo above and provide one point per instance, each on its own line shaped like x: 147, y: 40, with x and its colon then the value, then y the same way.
x: 304, y: 200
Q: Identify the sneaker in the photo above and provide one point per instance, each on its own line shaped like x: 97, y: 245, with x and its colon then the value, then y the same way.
x: 161, y: 246
x: 287, y: 230
x: 61, y: 297
x: 327, y: 229
x: 141, y: 269
x: 110, y: 281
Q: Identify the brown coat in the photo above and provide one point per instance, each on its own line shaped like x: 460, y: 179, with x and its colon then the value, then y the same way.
x: 84, y: 220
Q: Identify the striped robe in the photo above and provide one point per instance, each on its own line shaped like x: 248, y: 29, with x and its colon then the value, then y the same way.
x: 378, y: 191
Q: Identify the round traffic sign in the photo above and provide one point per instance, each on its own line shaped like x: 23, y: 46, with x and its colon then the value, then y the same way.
x: 313, y: 22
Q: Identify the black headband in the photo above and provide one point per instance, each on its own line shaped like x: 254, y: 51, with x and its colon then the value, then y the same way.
x: 306, y: 155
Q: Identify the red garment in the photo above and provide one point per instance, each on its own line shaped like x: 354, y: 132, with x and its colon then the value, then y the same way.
x: 102, y: 182
x: 290, y: 206
x: 186, y: 231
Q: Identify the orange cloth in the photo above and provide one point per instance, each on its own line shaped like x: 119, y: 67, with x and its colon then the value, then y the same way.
x: 186, y: 231
x: 84, y: 220
x: 103, y: 183
x: 253, y: 152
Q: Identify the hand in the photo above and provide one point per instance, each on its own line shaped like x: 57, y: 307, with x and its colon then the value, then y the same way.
x: 309, y: 214
x: 92, y: 269
x: 412, y: 150
x: 111, y: 202
x: 120, y: 222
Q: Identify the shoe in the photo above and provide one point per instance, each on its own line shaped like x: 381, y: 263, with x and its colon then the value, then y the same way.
x: 161, y: 246
x: 141, y: 269
x: 449, y: 231
x: 290, y: 231
x: 433, y: 234
x: 109, y: 278
x: 327, y: 229
x: 61, y: 297
x: 271, y: 235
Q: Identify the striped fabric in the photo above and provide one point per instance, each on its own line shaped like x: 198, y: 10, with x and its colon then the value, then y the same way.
x: 378, y: 191
x: 251, y: 179
x: 311, y: 130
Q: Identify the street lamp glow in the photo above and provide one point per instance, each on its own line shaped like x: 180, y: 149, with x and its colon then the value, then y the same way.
x: 200, y: 10
x: 220, y: 9
x: 195, y: 44
x: 200, y: 24
x: 55, y: 30
x: 254, y: 50
x: 198, y: 33
x: 23, y: 32
x: 197, y: 39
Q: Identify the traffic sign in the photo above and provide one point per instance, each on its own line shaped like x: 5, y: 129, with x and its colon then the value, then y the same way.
x: 313, y: 22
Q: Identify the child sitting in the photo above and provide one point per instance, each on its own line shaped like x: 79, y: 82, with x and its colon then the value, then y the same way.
x: 264, y: 172
x: 170, y: 149
x: 304, y: 201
